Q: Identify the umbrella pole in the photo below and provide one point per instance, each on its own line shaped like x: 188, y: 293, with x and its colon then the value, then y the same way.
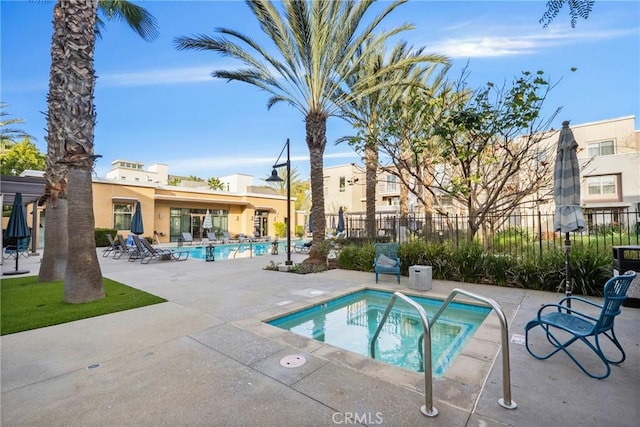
x: 567, y: 266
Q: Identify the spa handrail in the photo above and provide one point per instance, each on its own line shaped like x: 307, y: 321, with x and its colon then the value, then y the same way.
x: 504, y: 401
x: 240, y: 245
x: 428, y: 408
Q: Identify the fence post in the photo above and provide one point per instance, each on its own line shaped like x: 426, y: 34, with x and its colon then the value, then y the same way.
x: 540, y: 233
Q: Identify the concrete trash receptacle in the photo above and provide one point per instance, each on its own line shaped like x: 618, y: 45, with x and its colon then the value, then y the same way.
x: 420, y: 277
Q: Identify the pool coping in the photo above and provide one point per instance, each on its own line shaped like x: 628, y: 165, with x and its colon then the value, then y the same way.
x: 461, y: 384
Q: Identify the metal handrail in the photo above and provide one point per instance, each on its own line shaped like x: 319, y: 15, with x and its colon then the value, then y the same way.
x: 504, y: 401
x: 240, y: 245
x: 428, y: 408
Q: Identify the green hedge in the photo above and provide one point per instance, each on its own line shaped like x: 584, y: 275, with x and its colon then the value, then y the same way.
x: 101, y: 236
x: 471, y: 263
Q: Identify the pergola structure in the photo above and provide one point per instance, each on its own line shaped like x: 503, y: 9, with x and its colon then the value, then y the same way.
x: 32, y: 189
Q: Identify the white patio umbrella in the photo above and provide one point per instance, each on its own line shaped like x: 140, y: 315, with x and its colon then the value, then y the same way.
x: 566, y: 191
x: 207, y: 223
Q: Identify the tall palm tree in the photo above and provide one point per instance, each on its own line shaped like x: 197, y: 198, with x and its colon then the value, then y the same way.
x: 215, y: 184
x: 9, y: 135
x: 54, y: 258
x: 315, y: 44
x: 365, y: 113
x: 83, y: 278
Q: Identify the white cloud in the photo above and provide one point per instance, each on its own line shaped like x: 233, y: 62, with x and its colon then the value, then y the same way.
x: 519, y: 44
x: 197, y: 165
x: 154, y: 77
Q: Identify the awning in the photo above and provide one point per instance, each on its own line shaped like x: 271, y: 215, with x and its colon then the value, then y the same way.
x: 31, y: 188
x: 604, y: 205
x: 265, y: 208
x: 201, y: 200
x: 120, y: 199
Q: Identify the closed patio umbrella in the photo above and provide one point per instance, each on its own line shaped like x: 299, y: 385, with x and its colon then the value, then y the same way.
x: 207, y: 223
x: 17, y: 228
x: 136, y: 221
x: 310, y: 224
x: 566, y: 191
x: 340, y: 228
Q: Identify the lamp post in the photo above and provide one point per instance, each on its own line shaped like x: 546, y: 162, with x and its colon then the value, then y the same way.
x: 275, y: 178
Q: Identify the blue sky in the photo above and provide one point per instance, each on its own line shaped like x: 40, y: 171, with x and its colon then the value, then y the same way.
x: 158, y: 105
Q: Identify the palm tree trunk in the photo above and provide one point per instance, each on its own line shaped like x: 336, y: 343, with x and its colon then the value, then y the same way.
x: 83, y: 278
x: 371, y: 177
x: 54, y: 256
x: 316, y: 135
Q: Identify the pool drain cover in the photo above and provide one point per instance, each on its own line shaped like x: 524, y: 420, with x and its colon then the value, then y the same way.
x: 293, y: 361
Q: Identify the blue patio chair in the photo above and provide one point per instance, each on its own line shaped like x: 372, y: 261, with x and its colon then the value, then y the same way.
x: 386, y: 260
x: 563, y: 325
x: 21, y: 249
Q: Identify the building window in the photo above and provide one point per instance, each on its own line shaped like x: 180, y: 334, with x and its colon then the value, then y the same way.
x: 122, y: 217
x: 342, y: 184
x: 600, y: 185
x: 392, y: 201
x: 601, y: 148
x: 392, y: 183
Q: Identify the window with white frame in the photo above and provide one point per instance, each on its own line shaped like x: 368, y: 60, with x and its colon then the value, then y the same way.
x: 601, y: 185
x: 601, y: 148
x: 122, y: 216
x: 392, y: 183
x: 342, y: 184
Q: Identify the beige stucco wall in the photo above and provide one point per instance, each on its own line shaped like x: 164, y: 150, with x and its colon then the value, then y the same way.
x: 156, y: 202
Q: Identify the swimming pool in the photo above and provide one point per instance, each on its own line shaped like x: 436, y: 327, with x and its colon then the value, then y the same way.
x: 350, y: 321
x: 228, y: 250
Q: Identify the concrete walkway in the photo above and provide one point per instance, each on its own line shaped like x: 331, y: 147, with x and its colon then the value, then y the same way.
x: 205, y: 358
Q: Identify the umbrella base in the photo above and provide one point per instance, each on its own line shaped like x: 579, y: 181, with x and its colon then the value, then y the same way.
x: 11, y: 273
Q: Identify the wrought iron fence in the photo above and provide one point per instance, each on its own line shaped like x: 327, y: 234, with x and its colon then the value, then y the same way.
x: 517, y: 234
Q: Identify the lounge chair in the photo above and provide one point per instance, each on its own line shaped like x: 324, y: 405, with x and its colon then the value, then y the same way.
x: 112, y: 249
x: 146, y: 252
x: 386, y: 260
x: 226, y: 238
x: 188, y: 238
x: 564, y: 325
x: 125, y: 249
x: 211, y: 236
x: 302, y: 248
x: 21, y: 249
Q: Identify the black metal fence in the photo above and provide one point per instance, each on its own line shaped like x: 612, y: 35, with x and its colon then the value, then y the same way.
x: 517, y: 234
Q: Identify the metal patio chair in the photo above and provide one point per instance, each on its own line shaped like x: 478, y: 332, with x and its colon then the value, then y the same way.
x: 563, y: 325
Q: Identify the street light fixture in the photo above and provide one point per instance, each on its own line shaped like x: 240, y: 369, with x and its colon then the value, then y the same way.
x: 275, y: 178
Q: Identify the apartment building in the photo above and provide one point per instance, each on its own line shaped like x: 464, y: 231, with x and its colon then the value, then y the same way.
x: 609, y: 155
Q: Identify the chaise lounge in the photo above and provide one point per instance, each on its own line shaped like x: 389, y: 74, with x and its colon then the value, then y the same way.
x: 146, y: 252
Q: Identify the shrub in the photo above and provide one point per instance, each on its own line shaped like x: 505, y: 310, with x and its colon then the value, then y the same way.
x: 280, y: 229
x: 101, y: 236
x: 471, y: 263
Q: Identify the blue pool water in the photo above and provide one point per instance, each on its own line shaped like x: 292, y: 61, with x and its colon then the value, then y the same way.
x: 227, y: 251
x: 350, y: 321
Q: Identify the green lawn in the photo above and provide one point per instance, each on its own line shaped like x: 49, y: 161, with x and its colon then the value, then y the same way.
x: 26, y: 304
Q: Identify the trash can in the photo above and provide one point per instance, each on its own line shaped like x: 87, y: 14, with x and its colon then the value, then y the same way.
x: 627, y: 258
x: 420, y: 277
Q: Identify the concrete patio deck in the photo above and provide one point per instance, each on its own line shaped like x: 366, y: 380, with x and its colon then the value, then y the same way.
x: 205, y: 358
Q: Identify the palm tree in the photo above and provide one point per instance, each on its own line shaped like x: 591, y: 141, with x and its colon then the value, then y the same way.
x: 215, y: 184
x: 365, y: 113
x: 315, y: 43
x: 70, y: 140
x: 9, y: 135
